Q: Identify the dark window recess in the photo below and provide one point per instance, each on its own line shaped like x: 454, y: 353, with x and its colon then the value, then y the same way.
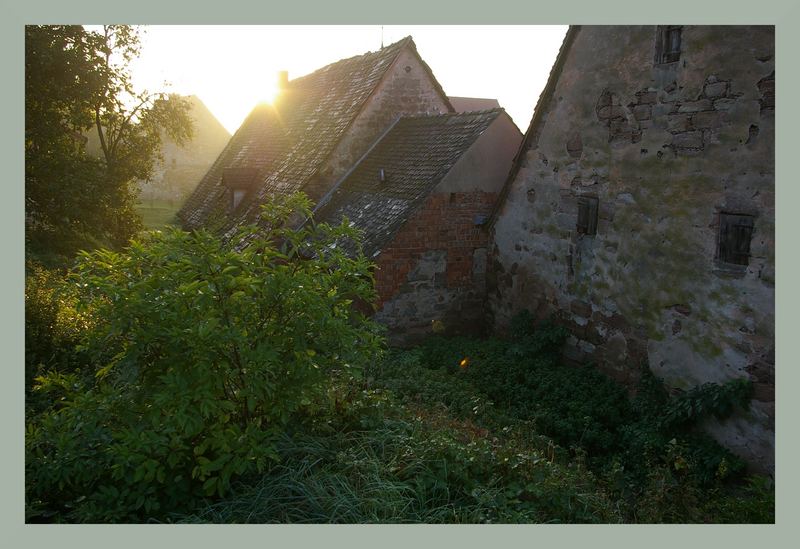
x: 668, y: 44
x: 239, y: 181
x: 735, y: 233
x: 587, y: 215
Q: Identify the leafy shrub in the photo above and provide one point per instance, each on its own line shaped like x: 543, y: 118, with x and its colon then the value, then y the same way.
x: 204, y: 351
x: 53, y: 324
x: 709, y: 399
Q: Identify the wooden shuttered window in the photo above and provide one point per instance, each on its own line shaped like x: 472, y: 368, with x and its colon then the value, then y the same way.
x: 668, y: 44
x: 735, y: 234
x: 587, y: 215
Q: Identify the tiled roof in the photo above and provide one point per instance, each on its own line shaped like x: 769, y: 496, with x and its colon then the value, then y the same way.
x: 289, y: 142
x: 415, y: 155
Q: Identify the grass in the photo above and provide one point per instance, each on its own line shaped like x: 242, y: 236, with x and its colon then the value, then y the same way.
x: 157, y: 214
x: 514, y: 437
x: 411, y: 467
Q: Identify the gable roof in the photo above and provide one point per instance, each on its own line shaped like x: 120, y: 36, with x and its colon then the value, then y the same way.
x: 415, y: 155
x: 288, y: 143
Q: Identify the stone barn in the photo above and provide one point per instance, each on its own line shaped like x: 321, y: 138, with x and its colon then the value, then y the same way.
x: 375, y: 138
x: 640, y: 210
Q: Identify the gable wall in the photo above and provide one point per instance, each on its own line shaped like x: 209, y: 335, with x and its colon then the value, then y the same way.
x: 400, y: 92
x: 487, y: 162
x: 665, y: 149
x: 435, y: 267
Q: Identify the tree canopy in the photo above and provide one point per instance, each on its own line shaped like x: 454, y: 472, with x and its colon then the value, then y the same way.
x: 78, y: 81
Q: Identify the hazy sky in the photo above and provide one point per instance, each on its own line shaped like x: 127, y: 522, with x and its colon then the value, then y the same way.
x: 231, y: 68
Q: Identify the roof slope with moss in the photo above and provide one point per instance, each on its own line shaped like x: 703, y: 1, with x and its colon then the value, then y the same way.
x: 414, y: 156
x: 288, y: 142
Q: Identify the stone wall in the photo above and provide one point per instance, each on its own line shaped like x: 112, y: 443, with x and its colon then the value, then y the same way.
x: 665, y: 150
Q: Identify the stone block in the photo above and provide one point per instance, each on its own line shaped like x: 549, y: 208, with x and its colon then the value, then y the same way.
x: 586, y: 347
x: 723, y: 104
x: 642, y: 112
x: 646, y: 98
x: 716, y: 89
x: 626, y: 198
x: 581, y: 308
x: 688, y: 140
x: 708, y: 119
x: 678, y: 122
x: 606, y: 211
x: 696, y: 106
x: 661, y: 110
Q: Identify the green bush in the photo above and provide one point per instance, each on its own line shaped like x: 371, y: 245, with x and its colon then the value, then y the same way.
x: 204, y: 351
x: 53, y: 324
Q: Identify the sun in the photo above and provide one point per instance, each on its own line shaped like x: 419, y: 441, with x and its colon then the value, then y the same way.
x: 268, y: 93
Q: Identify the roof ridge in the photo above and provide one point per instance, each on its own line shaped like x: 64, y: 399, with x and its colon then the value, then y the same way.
x: 396, y: 45
x: 453, y: 114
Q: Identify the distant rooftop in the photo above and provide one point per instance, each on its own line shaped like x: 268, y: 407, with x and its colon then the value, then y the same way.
x: 470, y: 104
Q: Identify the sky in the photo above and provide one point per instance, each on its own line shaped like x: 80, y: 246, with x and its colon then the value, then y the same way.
x: 232, y: 68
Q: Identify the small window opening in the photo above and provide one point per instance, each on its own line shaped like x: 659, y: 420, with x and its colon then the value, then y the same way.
x: 587, y: 215
x: 236, y: 197
x: 239, y: 181
x: 735, y: 234
x: 668, y: 44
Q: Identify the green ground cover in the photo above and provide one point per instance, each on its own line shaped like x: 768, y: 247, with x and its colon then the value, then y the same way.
x: 157, y: 214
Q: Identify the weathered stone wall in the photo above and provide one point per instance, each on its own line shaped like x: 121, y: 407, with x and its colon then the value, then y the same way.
x: 435, y: 268
x: 665, y: 149
x: 406, y: 89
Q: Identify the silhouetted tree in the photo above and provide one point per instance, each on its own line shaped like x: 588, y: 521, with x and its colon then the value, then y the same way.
x: 78, y: 81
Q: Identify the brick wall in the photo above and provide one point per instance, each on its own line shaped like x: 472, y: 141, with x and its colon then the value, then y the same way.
x: 435, y: 268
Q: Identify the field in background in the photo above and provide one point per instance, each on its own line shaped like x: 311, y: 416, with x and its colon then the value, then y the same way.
x: 157, y: 214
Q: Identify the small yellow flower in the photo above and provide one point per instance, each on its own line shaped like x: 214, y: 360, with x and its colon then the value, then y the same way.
x: 464, y: 362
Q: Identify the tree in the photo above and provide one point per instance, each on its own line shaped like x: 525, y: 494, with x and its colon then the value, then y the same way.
x: 77, y: 81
